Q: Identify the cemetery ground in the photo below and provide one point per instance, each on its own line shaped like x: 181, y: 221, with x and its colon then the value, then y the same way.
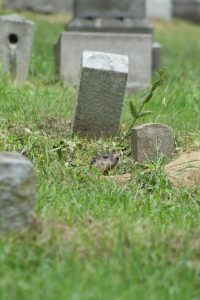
x: 95, y: 239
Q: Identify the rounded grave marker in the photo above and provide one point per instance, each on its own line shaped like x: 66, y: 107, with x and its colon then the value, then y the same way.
x: 17, y: 191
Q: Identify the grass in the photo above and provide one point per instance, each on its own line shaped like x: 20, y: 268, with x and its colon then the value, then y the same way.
x: 95, y: 239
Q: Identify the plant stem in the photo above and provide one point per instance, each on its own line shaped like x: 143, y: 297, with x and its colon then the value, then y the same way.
x: 132, y: 124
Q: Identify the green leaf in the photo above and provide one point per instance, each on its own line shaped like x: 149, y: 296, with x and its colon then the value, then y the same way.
x: 155, y: 85
x: 145, y: 113
x: 159, y: 81
x: 133, y: 110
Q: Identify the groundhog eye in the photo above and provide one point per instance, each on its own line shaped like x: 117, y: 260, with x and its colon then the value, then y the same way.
x: 105, y: 156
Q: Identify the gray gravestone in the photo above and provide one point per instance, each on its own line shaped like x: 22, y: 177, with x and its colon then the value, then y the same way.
x: 150, y: 141
x: 138, y: 48
x: 187, y: 9
x: 16, y: 35
x: 109, y: 9
x: 110, y: 16
x: 159, y: 9
x: 100, y: 95
x: 43, y: 6
x: 112, y: 26
x: 17, y: 191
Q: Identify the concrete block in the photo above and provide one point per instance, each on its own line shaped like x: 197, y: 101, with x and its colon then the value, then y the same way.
x: 150, y: 141
x: 100, y: 95
x: 43, y: 6
x: 16, y: 35
x: 156, y: 56
x: 109, y: 9
x: 159, y: 9
x: 127, y: 25
x: 17, y: 191
x: 138, y: 48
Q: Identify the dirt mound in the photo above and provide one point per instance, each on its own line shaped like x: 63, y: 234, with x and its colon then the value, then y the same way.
x: 185, y: 170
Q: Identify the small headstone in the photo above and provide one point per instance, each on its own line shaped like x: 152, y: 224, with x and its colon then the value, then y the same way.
x: 16, y: 35
x: 17, y: 191
x: 150, y: 141
x: 101, y: 94
x: 159, y: 9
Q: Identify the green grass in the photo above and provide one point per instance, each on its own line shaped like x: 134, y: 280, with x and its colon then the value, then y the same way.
x: 95, y: 239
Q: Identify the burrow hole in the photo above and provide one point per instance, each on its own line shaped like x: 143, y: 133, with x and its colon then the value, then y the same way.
x: 13, y: 38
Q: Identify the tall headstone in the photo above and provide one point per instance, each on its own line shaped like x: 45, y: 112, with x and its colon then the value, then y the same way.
x: 159, y: 9
x: 112, y: 26
x: 42, y: 6
x: 17, y: 191
x: 100, y: 95
x: 16, y: 36
x: 150, y: 141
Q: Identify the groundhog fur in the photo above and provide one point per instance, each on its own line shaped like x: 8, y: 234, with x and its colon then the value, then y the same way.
x: 104, y: 162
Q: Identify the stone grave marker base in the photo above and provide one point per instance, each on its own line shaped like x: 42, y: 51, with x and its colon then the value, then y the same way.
x: 138, y: 48
x: 127, y: 25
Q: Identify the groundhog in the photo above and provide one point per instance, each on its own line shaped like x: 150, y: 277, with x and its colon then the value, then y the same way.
x: 104, y: 162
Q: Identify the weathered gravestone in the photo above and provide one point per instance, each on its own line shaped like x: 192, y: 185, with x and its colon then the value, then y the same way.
x: 112, y: 26
x: 187, y: 9
x: 150, y: 141
x: 43, y: 6
x: 16, y: 35
x: 17, y: 191
x: 100, y: 95
x: 159, y: 9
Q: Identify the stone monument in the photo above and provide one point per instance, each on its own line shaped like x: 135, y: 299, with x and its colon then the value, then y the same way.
x: 110, y: 16
x: 112, y: 26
